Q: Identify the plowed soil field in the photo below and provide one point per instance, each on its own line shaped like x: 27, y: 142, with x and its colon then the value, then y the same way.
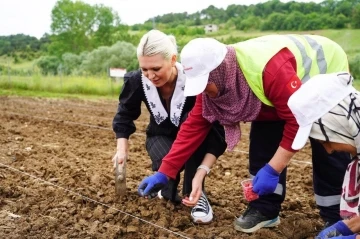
x: 56, y: 180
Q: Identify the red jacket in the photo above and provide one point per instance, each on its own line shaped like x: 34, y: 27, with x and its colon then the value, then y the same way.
x: 280, y: 82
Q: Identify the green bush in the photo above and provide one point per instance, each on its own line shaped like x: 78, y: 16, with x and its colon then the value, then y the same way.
x: 48, y: 65
x: 355, y: 66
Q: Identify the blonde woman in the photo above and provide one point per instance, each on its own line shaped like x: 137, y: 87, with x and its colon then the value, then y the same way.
x: 159, y: 83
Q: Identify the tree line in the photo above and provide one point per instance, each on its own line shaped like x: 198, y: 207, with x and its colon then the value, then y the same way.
x: 80, y: 31
x: 26, y: 45
x: 271, y: 15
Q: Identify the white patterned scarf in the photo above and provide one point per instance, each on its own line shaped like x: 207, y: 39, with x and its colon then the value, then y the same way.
x: 177, y: 100
x: 342, y: 125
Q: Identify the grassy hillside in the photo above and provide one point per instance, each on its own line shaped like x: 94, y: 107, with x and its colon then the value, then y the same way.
x: 347, y: 38
x: 22, y: 65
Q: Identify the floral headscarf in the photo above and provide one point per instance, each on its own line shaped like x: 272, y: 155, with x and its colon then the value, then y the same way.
x: 235, y: 102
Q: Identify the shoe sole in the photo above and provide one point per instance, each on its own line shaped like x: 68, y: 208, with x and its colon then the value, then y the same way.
x: 165, y: 199
x: 159, y: 195
x: 204, y: 220
x: 270, y: 223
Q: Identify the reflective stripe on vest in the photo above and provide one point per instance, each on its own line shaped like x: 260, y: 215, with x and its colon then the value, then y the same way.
x: 314, y: 55
x: 306, y: 60
x: 320, y: 55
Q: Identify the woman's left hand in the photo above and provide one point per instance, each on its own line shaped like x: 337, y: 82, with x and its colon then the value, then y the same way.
x: 195, y: 194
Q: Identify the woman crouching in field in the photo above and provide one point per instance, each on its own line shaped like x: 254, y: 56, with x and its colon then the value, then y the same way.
x: 159, y: 83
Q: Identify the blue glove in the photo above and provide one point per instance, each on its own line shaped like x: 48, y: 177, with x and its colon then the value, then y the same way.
x: 152, y: 184
x: 266, y: 180
x: 338, y: 229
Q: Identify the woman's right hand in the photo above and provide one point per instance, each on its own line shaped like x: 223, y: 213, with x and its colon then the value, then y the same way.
x: 122, y: 149
x: 120, y: 156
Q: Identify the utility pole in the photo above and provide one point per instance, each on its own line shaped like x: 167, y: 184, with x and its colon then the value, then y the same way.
x: 153, y: 22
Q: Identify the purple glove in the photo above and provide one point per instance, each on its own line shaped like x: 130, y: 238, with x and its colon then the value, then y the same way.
x: 152, y: 184
x: 338, y: 229
x: 266, y: 180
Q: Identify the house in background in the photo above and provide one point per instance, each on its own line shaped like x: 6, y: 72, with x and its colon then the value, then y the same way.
x: 211, y: 28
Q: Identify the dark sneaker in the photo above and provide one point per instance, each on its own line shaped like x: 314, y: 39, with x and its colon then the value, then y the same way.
x: 202, y: 213
x: 252, y: 220
x: 175, y: 199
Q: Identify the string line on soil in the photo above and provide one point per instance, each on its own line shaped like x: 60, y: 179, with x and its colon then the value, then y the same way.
x: 292, y: 160
x: 91, y: 200
x: 104, y: 128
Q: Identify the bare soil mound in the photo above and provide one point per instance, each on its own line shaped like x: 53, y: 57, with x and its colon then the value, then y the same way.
x: 56, y: 180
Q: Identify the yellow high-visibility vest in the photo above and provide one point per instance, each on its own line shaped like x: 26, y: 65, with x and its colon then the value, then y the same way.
x: 314, y: 55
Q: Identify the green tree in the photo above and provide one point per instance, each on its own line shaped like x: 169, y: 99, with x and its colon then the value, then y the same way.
x: 304, y: 8
x: 234, y: 11
x: 340, y: 22
x: 328, y: 6
x: 276, y: 21
x: 19, y: 43
x: 121, y: 34
x: 48, y: 64
x: 293, y: 21
x: 265, y: 9
x: 72, y: 24
x: 121, y: 54
x: 78, y: 26
x: 197, y: 21
x: 356, y: 17
x: 250, y: 23
x: 343, y: 7
x: 214, y: 15
x: 105, y: 24
x: 70, y: 62
x: 312, y: 22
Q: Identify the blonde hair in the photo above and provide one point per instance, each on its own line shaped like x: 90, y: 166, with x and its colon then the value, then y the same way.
x: 156, y: 42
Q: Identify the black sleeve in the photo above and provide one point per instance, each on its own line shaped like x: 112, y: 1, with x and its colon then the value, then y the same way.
x: 129, y: 108
x: 216, y: 143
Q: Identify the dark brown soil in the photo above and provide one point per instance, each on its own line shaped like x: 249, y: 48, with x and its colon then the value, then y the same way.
x: 56, y: 180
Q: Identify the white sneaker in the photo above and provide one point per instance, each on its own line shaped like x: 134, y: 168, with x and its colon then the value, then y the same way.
x: 202, y: 212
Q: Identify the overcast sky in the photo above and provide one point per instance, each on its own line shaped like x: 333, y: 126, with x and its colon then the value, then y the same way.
x: 33, y: 17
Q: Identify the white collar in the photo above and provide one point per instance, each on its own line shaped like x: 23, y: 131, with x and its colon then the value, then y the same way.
x: 177, y: 101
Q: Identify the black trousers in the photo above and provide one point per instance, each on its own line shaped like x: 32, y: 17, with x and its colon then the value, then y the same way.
x: 158, y: 146
x: 328, y: 171
x: 328, y: 176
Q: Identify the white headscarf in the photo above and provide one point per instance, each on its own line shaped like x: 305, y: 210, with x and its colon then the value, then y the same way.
x: 342, y: 125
